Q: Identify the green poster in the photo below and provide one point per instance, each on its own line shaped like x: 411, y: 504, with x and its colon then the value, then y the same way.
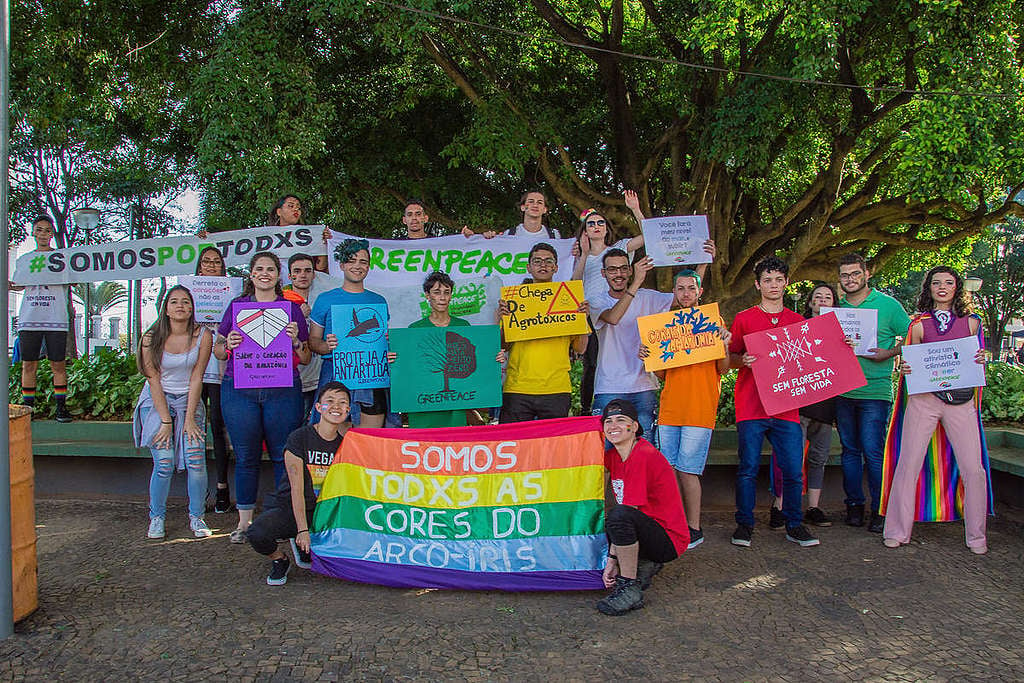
x: 445, y: 368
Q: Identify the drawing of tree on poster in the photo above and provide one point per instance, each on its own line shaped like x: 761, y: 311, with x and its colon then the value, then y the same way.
x: 454, y: 358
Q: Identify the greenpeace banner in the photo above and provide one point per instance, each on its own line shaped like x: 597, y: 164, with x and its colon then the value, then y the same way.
x: 681, y: 337
x: 474, y: 300
x: 513, y: 507
x: 398, y: 263
x: 140, y: 259
x: 802, y: 363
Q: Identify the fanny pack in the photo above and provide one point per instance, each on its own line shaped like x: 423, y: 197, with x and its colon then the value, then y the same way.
x: 955, y: 397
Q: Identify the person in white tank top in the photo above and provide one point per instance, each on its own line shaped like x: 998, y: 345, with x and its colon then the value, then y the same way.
x: 173, y: 355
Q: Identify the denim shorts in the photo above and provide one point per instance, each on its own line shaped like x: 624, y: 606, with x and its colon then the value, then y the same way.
x: 685, y: 448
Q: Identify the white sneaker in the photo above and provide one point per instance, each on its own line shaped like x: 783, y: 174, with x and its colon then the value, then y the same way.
x: 156, y: 528
x: 199, y: 528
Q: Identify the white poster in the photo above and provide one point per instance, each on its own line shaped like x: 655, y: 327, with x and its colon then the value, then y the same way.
x: 676, y: 240
x: 942, y: 365
x: 406, y: 263
x: 211, y: 295
x: 861, y: 324
x: 140, y: 259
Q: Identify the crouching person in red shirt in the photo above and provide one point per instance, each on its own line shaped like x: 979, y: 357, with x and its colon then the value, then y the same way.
x: 646, y: 527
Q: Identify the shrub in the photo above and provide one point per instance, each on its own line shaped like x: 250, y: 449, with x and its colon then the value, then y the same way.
x: 1003, y: 398
x: 727, y: 399
x: 103, y: 386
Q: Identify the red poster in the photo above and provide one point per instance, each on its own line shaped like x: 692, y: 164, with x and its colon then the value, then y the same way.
x: 802, y: 363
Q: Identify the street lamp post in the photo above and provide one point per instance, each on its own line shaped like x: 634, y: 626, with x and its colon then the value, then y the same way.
x: 86, y: 219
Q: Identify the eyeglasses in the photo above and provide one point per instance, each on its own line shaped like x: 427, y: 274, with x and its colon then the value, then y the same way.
x: 600, y: 222
x: 850, y: 276
x: 543, y: 261
x: 617, y: 269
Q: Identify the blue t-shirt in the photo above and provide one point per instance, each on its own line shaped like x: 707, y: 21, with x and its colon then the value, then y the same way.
x: 321, y: 313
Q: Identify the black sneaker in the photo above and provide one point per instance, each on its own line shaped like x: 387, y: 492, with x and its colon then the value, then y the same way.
x: 62, y: 415
x: 302, y: 558
x: 816, y: 517
x: 877, y: 523
x: 742, y: 535
x: 855, y: 515
x: 800, y: 535
x: 776, y: 520
x: 626, y: 596
x: 696, y: 538
x: 645, y: 571
x: 223, y: 503
x: 279, y: 572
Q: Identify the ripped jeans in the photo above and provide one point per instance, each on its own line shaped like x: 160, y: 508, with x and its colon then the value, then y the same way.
x: 160, y: 481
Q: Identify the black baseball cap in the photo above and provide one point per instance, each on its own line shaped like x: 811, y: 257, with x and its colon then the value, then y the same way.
x: 619, y: 406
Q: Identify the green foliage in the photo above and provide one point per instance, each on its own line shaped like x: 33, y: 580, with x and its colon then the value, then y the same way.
x: 727, y: 400
x: 101, y: 295
x: 1003, y: 397
x: 104, y: 386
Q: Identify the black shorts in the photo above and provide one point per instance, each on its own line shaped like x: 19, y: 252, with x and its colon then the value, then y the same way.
x: 379, y: 405
x: 32, y: 342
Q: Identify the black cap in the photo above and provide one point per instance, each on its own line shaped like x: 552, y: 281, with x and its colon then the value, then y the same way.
x: 619, y: 406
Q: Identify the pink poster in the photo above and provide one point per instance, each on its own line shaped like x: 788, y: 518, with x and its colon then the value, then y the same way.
x: 802, y: 363
x: 264, y: 358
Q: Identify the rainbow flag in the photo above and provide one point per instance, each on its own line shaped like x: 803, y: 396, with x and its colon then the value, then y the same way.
x: 940, y: 493
x: 513, y: 507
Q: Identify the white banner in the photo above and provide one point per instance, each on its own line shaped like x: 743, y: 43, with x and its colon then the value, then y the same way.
x: 942, y: 365
x: 474, y: 300
x: 140, y: 259
x: 676, y: 240
x: 860, y: 324
x: 406, y: 263
x: 211, y: 295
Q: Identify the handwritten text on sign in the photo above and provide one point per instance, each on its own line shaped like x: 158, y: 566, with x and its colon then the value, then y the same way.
x: 860, y: 324
x: 360, y: 358
x: 681, y: 337
x: 264, y: 358
x: 675, y: 240
x: 943, y: 365
x: 212, y: 295
x: 505, y: 507
x: 802, y: 363
x: 542, y: 310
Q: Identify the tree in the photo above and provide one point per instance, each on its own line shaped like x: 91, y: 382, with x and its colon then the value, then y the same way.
x: 102, y: 296
x: 998, y: 259
x: 370, y: 104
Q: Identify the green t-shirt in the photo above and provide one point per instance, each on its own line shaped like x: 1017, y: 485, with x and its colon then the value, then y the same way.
x: 893, y: 322
x: 438, y: 418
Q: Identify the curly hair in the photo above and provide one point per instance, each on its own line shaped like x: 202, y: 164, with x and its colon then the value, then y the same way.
x: 961, y: 301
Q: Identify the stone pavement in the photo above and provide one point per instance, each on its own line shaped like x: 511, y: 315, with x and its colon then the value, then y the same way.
x: 116, y: 606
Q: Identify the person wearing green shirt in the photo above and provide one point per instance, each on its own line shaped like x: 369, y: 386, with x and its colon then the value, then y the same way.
x: 863, y: 414
x: 438, y: 288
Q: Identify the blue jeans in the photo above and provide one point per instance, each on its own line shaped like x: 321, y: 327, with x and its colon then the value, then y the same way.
x: 160, y: 480
x: 255, y: 416
x: 645, y: 402
x: 788, y: 441
x: 862, y: 423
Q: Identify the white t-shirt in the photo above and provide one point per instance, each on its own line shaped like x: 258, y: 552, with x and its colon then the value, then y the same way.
x: 44, y: 308
x: 593, y: 282
x: 541, y: 235
x: 619, y: 370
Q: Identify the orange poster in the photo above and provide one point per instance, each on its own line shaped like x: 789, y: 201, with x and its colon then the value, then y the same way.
x: 682, y: 337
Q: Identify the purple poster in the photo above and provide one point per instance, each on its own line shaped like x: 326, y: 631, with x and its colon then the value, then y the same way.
x: 264, y: 358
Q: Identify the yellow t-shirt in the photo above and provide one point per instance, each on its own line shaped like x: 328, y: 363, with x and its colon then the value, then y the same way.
x: 539, y: 366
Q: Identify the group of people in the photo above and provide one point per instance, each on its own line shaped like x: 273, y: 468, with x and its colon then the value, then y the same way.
x: 656, y: 516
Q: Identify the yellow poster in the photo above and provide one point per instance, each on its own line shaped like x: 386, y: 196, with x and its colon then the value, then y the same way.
x: 541, y: 310
x: 682, y: 337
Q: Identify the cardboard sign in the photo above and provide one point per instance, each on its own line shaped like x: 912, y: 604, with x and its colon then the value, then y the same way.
x: 542, y: 310
x: 264, y: 358
x: 408, y: 262
x: 681, y: 337
x: 360, y: 359
x: 860, y: 324
x: 163, y: 256
x: 212, y: 295
x: 802, y: 363
x: 445, y: 368
x: 943, y: 365
x: 506, y: 507
x: 675, y: 240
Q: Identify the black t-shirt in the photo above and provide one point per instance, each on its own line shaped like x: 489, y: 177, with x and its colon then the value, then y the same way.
x: 317, y: 454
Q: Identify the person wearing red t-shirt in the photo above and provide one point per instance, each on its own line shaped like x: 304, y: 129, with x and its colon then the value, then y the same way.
x: 753, y: 424
x: 646, y: 526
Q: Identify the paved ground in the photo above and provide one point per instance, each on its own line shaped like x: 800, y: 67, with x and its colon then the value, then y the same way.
x: 116, y: 606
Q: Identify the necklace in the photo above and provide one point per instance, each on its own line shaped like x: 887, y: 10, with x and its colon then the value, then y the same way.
x: 774, y: 317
